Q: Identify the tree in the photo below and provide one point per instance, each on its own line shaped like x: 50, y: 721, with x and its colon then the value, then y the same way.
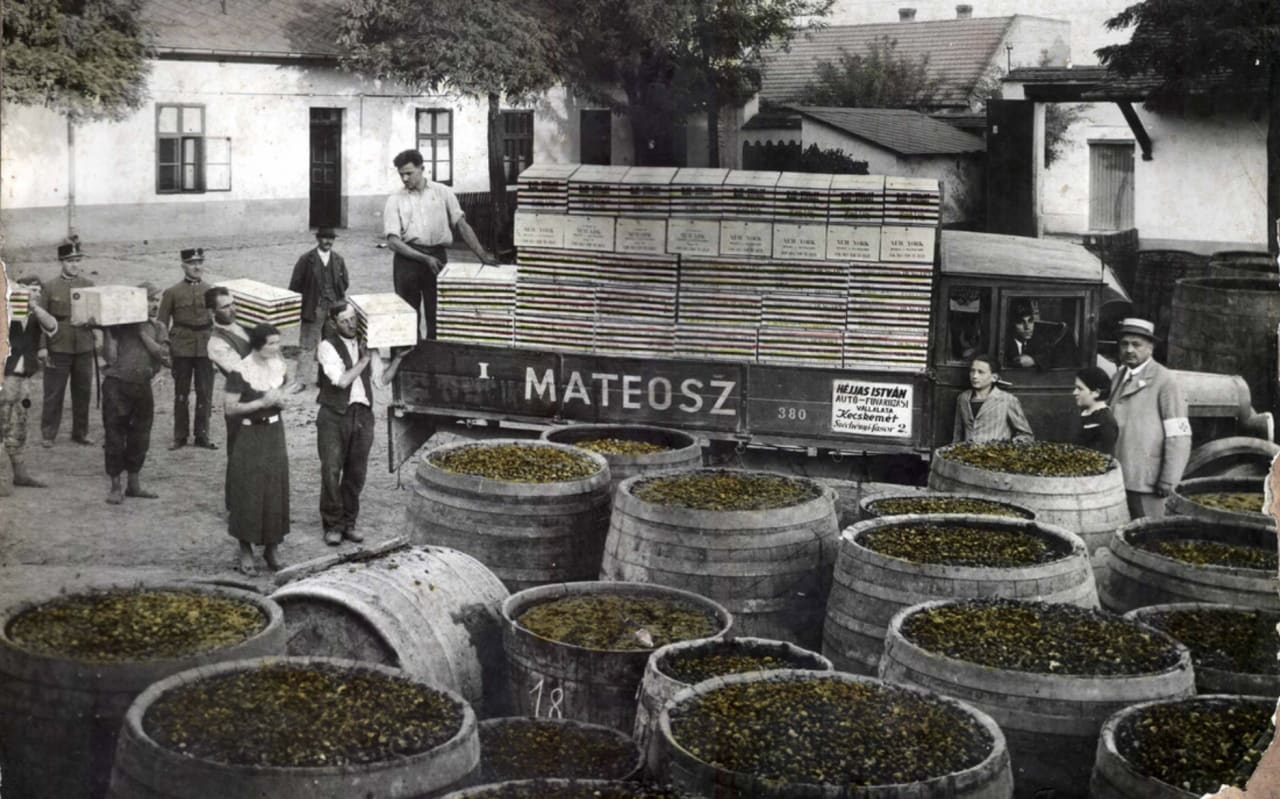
x: 86, y: 59
x: 1202, y: 55
x: 475, y: 48
x: 878, y: 78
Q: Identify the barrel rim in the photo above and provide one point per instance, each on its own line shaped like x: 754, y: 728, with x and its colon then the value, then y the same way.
x: 1190, y: 487
x: 1107, y: 736
x: 1120, y: 538
x: 851, y: 535
x: 1253, y: 285
x: 1141, y: 614
x: 727, y: 517
x: 999, y: 746
x: 663, y: 654
x: 688, y: 439
x: 895, y: 637
x: 528, y: 597
x: 129, y: 670
x: 487, y: 789
x: 940, y: 454
x: 479, y: 483
x: 637, y: 760
x: 865, y: 504
x: 137, y: 710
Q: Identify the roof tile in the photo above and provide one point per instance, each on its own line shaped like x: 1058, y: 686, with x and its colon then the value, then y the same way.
x: 898, y: 129
x: 265, y: 27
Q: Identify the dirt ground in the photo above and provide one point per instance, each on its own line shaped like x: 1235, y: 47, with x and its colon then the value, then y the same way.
x: 67, y: 535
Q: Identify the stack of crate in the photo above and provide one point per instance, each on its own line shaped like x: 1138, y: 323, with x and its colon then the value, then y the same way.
x: 19, y: 302
x: 384, y: 320
x: 636, y: 304
x: 258, y: 302
x: 476, y: 303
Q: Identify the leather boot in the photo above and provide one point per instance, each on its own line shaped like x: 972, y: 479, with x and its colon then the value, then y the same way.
x: 135, y: 488
x: 21, y: 477
x: 116, y: 495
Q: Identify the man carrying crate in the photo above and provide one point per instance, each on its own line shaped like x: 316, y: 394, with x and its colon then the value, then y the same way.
x: 67, y: 353
x: 183, y: 313
x: 420, y: 220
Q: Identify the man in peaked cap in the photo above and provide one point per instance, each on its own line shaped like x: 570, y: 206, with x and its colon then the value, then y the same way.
x: 183, y: 312
x: 320, y: 276
x: 1155, y: 434
x: 68, y: 352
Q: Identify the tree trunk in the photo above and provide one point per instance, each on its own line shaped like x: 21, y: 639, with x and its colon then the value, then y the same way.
x: 1273, y: 153
x: 497, y: 179
x: 713, y: 126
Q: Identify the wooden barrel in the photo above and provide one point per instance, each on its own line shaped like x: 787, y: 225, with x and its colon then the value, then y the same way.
x: 1228, y: 326
x: 1114, y: 777
x: 602, y: 738
x: 1234, y: 456
x: 553, y: 679
x: 872, y: 507
x: 658, y: 687
x: 1157, y: 275
x: 145, y: 770
x: 559, y: 789
x: 1182, y: 501
x: 526, y: 533
x: 1242, y: 263
x: 770, y: 568
x: 684, y: 451
x: 59, y: 718
x: 989, y: 779
x: 1092, y: 507
x: 1210, y: 679
x: 870, y: 588
x: 1051, y: 721
x: 1136, y: 578
x: 431, y: 611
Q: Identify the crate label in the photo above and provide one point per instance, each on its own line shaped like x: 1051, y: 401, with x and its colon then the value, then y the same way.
x: 853, y: 242
x: 799, y: 242
x: 594, y: 233
x: 693, y: 236
x: 913, y: 245
x: 872, y: 409
x: 539, y: 230
x: 641, y: 236
x: 746, y: 238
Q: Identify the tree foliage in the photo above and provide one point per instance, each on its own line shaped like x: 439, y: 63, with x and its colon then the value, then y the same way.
x: 85, y: 58
x: 878, y: 78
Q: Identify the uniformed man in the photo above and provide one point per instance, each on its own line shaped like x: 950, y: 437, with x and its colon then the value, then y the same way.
x: 20, y: 368
x: 183, y: 312
x: 228, y: 345
x: 67, y: 353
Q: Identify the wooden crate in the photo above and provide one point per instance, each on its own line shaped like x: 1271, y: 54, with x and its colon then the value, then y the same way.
x: 386, y: 320
x: 108, y: 305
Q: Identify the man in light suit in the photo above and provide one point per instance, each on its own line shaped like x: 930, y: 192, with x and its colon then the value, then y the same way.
x: 1155, y: 435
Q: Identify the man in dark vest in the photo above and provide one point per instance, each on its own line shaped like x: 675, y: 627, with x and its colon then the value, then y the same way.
x: 320, y: 276
x: 183, y: 306
x: 228, y: 345
x: 67, y: 353
x: 344, y: 423
x: 19, y: 370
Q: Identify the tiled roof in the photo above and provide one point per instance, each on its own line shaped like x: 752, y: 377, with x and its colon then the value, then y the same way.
x: 900, y: 130
x: 266, y: 28
x: 959, y: 50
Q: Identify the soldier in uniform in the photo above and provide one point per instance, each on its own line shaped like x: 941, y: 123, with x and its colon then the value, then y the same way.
x: 183, y: 307
x: 228, y: 346
x: 67, y: 353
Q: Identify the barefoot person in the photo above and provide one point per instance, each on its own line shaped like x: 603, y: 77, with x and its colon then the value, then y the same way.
x: 258, y: 487
x: 134, y: 354
x: 984, y: 412
x: 20, y: 368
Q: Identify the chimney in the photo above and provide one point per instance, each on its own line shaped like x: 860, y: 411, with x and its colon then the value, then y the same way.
x: 964, y: 11
x: 906, y: 15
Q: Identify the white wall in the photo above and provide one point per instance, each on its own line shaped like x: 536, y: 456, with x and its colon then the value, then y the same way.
x: 1087, y: 17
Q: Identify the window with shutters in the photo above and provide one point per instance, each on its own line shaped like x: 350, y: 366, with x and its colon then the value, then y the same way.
x: 435, y: 142
x: 180, y: 149
x: 1110, y: 185
x: 517, y: 143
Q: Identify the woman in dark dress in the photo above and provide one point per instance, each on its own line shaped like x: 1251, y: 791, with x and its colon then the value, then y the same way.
x: 1098, y: 428
x: 258, y: 471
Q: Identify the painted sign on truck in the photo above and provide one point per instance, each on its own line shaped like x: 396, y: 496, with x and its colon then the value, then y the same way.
x: 864, y: 408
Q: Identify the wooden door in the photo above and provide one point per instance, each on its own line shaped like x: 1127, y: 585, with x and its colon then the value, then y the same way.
x: 326, y: 167
x: 1110, y: 185
x: 1011, y: 154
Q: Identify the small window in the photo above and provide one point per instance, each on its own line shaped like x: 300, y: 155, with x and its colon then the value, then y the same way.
x: 182, y: 160
x: 1041, y: 332
x: 435, y: 142
x: 517, y: 143
x: 968, y: 322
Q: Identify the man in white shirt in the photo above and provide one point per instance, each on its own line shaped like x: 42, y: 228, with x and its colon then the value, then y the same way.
x: 228, y: 345
x: 420, y: 220
x: 20, y: 368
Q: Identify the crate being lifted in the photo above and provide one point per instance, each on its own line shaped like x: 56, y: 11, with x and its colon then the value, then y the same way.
x: 105, y: 306
x: 258, y: 302
x: 385, y: 320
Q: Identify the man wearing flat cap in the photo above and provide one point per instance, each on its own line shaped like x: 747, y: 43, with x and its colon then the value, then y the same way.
x: 1155, y: 434
x: 68, y: 352
x: 320, y: 276
x: 184, y: 315
x: 135, y: 354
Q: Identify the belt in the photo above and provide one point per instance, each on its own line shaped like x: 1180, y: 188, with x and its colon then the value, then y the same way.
x: 193, y: 327
x: 272, y: 419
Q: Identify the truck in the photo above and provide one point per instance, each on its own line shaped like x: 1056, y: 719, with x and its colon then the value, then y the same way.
x: 982, y: 284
